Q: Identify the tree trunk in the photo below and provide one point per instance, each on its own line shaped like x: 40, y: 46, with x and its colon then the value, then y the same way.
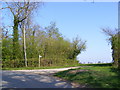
x: 15, y: 38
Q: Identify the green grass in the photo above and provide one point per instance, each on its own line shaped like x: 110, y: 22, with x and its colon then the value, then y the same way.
x: 32, y: 68
x: 104, y: 76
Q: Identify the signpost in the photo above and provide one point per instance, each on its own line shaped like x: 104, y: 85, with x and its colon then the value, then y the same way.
x: 39, y: 60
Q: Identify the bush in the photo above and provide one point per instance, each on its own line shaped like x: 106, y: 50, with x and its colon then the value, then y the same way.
x: 34, y: 62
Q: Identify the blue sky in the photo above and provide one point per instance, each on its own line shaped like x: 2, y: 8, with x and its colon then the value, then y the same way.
x: 83, y: 19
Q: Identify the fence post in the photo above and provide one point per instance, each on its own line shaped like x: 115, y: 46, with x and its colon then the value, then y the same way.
x: 39, y: 60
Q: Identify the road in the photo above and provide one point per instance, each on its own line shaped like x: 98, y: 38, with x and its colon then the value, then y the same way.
x: 34, y: 79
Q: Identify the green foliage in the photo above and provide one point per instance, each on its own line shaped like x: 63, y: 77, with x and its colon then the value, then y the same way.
x: 12, y: 63
x: 42, y: 67
x: 34, y: 62
x: 49, y: 43
x: 114, y: 38
x: 115, y: 45
x: 7, y: 49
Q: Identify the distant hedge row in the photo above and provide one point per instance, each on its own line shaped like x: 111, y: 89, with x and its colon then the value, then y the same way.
x: 34, y: 62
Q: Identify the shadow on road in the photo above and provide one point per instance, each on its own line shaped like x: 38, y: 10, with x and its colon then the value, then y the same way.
x: 12, y: 79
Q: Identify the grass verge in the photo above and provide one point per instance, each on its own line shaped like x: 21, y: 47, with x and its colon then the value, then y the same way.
x: 95, y: 76
x: 32, y: 68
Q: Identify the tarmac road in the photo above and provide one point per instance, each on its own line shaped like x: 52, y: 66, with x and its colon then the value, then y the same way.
x: 33, y: 79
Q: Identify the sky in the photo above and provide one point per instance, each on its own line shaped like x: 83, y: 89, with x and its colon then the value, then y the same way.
x: 83, y: 19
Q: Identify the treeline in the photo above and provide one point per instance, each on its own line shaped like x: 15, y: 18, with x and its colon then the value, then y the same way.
x: 114, y: 39
x: 47, y: 42
x: 28, y: 40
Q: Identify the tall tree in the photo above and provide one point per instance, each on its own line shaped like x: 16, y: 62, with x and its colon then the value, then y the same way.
x: 78, y: 46
x: 114, y: 39
x: 20, y: 12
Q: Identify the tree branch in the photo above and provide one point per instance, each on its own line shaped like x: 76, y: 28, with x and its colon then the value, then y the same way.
x: 10, y: 9
x: 22, y: 19
x: 3, y: 8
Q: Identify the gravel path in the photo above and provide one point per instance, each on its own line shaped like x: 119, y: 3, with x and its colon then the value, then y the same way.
x: 33, y: 79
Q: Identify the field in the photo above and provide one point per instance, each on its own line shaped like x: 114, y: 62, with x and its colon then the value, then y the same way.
x: 93, y: 76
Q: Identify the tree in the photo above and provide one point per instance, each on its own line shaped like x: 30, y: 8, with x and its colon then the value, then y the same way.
x: 119, y: 49
x: 20, y: 12
x: 99, y: 62
x: 56, y: 50
x: 114, y: 39
x: 77, y: 46
x: 7, y: 47
x: 52, y: 31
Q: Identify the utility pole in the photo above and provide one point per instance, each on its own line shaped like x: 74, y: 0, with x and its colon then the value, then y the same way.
x: 24, y: 45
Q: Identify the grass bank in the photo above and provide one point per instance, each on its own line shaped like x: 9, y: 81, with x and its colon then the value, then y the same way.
x: 94, y: 76
x: 32, y: 68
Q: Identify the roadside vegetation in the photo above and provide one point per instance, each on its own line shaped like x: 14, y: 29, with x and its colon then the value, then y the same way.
x: 114, y: 40
x: 93, y: 76
x: 33, y: 68
x: 25, y: 41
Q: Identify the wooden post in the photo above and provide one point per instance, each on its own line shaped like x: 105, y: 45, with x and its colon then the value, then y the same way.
x: 39, y: 60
